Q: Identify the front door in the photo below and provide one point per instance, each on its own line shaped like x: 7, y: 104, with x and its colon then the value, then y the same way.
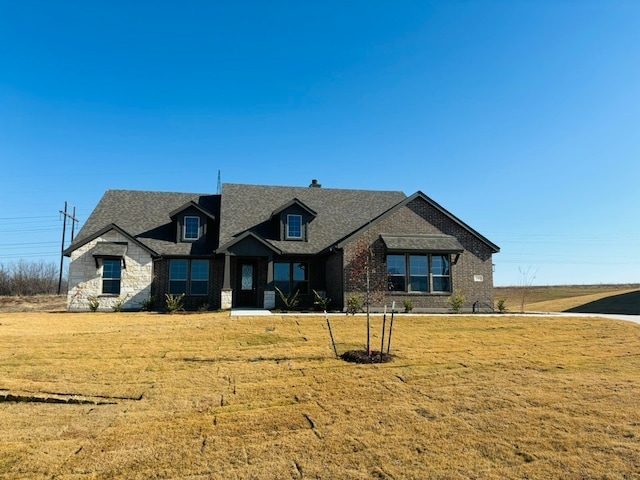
x: 246, y: 287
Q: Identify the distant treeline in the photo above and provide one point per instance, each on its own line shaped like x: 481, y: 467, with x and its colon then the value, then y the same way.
x: 28, y: 278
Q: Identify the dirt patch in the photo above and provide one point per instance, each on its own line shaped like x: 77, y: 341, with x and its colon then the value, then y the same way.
x: 361, y: 356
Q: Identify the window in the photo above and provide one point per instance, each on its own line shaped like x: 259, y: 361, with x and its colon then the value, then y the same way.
x: 396, y: 268
x: 441, y: 271
x: 189, y: 277
x: 426, y: 273
x: 418, y: 273
x: 294, y: 227
x: 199, y: 277
x: 111, y: 276
x: 178, y: 276
x: 191, y: 228
x: 291, y: 277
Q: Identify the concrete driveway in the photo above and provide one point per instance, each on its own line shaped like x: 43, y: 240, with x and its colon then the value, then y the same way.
x: 612, y: 316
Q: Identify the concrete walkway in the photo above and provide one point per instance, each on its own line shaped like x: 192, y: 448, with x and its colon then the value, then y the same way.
x: 250, y: 312
x: 260, y: 312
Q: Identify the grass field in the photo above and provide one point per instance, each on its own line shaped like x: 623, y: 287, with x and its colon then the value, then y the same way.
x: 208, y: 396
x: 623, y: 298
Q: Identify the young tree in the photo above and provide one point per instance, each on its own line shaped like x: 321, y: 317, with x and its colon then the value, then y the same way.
x: 526, y: 280
x: 365, y: 275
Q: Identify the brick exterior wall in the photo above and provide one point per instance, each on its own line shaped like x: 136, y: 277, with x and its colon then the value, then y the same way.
x: 212, y: 301
x: 333, y: 281
x: 85, y: 279
x: 419, y: 217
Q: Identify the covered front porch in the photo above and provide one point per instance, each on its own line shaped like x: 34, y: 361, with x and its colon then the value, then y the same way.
x: 254, y: 271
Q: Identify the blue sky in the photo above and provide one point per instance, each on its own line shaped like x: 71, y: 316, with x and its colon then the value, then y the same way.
x: 521, y: 118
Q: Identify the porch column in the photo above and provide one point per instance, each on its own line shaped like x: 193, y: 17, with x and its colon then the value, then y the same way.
x: 269, y: 291
x: 226, y: 300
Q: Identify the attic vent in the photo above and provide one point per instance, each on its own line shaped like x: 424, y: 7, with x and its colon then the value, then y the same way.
x: 314, y: 184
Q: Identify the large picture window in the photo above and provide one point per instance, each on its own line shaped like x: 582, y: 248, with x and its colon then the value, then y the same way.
x: 419, y: 273
x: 188, y: 277
x: 291, y: 277
x: 111, y: 276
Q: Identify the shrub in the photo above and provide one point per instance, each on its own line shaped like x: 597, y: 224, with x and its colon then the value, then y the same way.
x: 119, y: 304
x: 457, y: 301
x: 321, y: 300
x: 174, y: 303
x: 94, y: 303
x: 149, y: 304
x: 408, y: 305
x: 290, y: 301
x: 354, y: 304
x: 502, y: 308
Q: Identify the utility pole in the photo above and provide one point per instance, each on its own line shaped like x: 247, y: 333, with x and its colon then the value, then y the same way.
x: 74, y: 220
x: 219, y: 189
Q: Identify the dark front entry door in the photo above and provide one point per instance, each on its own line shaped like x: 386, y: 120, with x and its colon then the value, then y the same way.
x: 246, y: 285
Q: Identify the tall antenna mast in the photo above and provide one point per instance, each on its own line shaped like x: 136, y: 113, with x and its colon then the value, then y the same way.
x: 219, y: 190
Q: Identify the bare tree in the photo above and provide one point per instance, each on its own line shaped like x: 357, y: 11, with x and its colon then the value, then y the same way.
x: 526, y: 280
x: 28, y: 278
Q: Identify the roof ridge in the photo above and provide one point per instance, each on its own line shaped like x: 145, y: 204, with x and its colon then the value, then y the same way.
x: 296, y: 187
x: 129, y: 190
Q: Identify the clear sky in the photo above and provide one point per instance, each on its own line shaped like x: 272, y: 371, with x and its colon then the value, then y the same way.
x: 522, y: 118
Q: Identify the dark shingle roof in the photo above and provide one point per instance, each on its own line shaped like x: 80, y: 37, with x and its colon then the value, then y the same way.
x: 242, y: 209
x: 339, y: 212
x: 426, y: 243
x: 146, y: 216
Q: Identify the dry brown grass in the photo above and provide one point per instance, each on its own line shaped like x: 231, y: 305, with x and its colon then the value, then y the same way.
x: 209, y: 396
x: 560, y: 298
x: 33, y: 303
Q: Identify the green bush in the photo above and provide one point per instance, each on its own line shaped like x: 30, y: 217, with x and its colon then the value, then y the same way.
x: 149, y: 304
x: 408, y: 306
x: 502, y: 308
x: 354, y: 304
x: 457, y: 301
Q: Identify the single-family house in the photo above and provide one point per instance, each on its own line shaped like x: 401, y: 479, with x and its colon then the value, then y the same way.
x: 244, y: 246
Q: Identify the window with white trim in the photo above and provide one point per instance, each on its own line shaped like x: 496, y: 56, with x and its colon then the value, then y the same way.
x: 420, y: 273
x: 294, y: 227
x: 191, y: 229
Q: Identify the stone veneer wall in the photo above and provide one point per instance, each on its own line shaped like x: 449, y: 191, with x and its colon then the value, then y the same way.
x: 85, y: 280
x: 418, y: 217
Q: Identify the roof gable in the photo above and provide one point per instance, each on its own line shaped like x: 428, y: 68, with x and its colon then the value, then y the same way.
x: 79, y: 243
x: 187, y: 206
x: 146, y: 216
x: 422, y: 197
x: 297, y: 203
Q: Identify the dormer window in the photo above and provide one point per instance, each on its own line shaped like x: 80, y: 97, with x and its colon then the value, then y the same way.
x: 191, y: 228
x: 294, y: 227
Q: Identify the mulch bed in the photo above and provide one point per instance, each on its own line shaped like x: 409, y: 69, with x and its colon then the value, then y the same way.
x: 360, y: 356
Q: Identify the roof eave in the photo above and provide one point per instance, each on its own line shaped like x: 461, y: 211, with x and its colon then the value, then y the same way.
x: 112, y: 226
